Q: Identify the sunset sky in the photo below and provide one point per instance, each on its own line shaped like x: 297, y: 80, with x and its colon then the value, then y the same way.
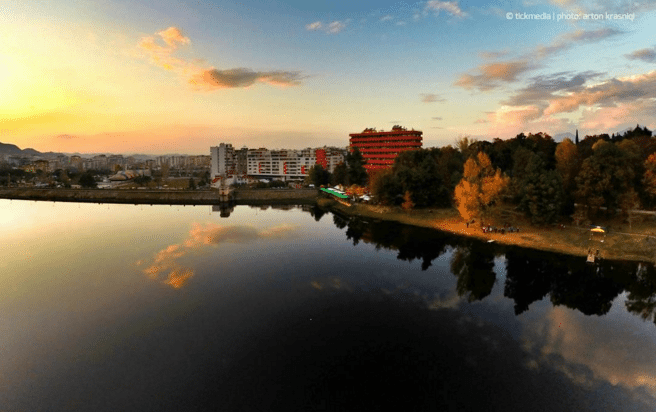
x: 179, y: 77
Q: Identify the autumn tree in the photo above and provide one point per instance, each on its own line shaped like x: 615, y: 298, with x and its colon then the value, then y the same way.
x: 568, y: 164
x: 480, y: 188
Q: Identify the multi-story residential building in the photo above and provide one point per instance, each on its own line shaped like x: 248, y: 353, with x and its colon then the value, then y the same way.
x: 380, y: 148
x: 280, y: 164
x: 223, y: 161
x: 260, y: 163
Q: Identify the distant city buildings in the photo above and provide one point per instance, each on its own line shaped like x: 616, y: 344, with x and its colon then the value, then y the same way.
x: 380, y: 148
x: 287, y: 165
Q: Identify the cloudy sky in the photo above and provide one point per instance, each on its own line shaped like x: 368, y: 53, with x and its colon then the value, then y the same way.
x: 173, y: 76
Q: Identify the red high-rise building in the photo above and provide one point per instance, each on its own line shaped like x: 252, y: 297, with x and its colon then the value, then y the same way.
x: 380, y: 148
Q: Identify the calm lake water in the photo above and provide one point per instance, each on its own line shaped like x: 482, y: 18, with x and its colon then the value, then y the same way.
x: 171, y: 308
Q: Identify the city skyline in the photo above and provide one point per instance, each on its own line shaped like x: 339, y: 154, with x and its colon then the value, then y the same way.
x: 136, y: 77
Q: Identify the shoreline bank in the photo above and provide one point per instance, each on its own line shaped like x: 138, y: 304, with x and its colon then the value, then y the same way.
x: 570, y: 240
x: 159, y: 197
x: 574, y: 241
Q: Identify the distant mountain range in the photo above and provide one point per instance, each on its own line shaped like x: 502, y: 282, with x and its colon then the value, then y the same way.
x: 13, y: 150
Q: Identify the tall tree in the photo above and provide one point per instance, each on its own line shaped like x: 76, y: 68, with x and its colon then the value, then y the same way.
x: 649, y: 177
x: 340, y: 175
x: 318, y: 176
x: 604, y: 177
x: 541, y: 192
x: 417, y: 172
x: 386, y: 187
x: 357, y: 174
x: 568, y: 164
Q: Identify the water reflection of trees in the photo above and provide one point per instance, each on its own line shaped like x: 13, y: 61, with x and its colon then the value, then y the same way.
x: 641, y: 297
x: 411, y: 243
x: 473, y: 264
x: 531, y: 275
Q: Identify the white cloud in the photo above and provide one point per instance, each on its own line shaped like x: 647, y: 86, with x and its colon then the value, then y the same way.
x: 314, y: 26
x: 336, y: 27
x: 450, y: 7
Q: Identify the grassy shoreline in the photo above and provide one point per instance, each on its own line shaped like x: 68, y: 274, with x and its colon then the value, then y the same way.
x: 569, y: 240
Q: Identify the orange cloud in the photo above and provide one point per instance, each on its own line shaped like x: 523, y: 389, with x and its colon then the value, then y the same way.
x: 212, y: 79
x: 167, y: 259
x: 208, y: 79
x: 172, y: 36
x: 609, y: 93
x: 492, y: 74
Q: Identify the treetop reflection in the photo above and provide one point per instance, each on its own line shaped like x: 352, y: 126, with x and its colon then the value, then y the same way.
x: 531, y: 275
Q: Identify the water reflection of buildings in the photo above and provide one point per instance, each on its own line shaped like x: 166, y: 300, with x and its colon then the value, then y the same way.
x: 224, y: 209
x: 305, y: 208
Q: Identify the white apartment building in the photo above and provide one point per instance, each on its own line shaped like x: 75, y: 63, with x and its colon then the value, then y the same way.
x: 223, y: 161
x: 280, y: 164
x: 283, y: 164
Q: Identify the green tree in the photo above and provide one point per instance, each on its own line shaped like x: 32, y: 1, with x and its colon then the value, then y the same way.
x: 604, y: 177
x: 418, y: 174
x: 386, y: 187
x: 318, y: 176
x: 541, y: 192
x: 450, y: 164
x: 87, y: 180
x: 357, y: 174
x: 340, y: 174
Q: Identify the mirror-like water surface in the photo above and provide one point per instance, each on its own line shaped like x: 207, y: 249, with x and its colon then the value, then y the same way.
x: 123, y: 307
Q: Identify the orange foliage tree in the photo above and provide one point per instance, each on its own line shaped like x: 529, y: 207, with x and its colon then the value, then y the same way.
x: 480, y: 188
